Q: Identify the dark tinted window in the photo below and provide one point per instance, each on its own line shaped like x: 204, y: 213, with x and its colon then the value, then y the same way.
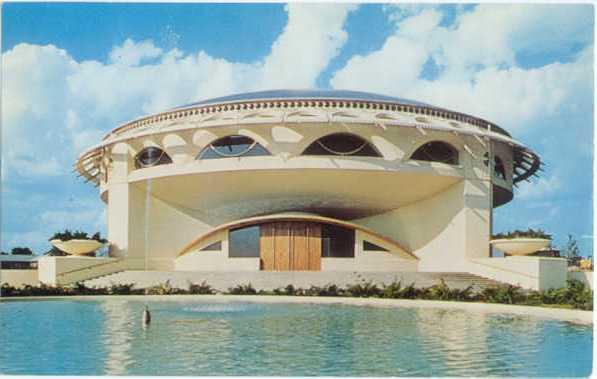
x: 337, y: 242
x: 216, y: 246
x: 436, y: 152
x: 499, y: 169
x: 18, y: 265
x: 244, y: 242
x: 368, y: 246
x: 151, y: 156
x: 341, y: 144
x: 233, y: 146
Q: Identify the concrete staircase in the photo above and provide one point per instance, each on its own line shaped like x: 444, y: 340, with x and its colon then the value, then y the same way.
x: 271, y: 280
x: 88, y: 272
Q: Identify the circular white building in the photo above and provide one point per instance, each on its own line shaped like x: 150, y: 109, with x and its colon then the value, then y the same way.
x: 294, y: 180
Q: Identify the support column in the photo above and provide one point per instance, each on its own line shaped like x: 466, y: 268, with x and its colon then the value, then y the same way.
x: 477, y: 199
x: 118, y: 201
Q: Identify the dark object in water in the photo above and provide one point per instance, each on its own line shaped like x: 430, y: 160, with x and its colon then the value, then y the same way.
x: 146, y: 316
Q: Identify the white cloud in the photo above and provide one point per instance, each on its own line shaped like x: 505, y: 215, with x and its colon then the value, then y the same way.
x: 55, y: 106
x: 131, y: 53
x: 311, y: 39
x: 396, y: 67
x: 477, y: 57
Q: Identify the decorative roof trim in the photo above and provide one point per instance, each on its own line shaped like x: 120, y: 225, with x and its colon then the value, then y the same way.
x: 307, y: 103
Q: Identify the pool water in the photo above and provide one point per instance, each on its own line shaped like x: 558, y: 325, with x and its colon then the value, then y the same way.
x: 105, y: 337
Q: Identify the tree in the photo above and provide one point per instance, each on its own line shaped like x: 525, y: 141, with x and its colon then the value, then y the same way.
x: 21, y: 251
x: 571, y: 251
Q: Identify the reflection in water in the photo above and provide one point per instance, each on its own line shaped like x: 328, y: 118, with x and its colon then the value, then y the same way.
x: 187, y: 338
x: 117, y: 335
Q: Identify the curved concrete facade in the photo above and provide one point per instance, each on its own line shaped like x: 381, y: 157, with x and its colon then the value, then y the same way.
x: 419, y: 214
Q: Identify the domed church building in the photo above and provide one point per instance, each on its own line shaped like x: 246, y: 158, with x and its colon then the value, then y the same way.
x: 305, y: 180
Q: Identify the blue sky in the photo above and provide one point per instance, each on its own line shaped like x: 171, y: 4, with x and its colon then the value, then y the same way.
x: 72, y: 72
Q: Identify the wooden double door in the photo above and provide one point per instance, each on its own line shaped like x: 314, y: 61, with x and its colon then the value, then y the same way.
x: 290, y: 246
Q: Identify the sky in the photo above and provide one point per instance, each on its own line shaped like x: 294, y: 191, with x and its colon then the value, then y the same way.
x: 73, y: 72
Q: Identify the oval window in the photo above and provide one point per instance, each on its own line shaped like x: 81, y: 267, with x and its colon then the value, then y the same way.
x: 341, y: 144
x: 436, y: 151
x: 151, y: 156
x: 233, y: 146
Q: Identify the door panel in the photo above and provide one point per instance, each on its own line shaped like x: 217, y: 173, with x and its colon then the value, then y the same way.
x: 290, y: 246
x: 300, y: 247
x: 282, y: 242
x: 314, y: 247
x: 266, y: 243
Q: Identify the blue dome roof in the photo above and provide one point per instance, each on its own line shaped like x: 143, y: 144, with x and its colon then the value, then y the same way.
x: 306, y: 94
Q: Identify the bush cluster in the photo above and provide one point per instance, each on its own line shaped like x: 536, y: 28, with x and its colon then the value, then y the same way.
x: 67, y: 235
x: 575, y: 295
x: 529, y: 233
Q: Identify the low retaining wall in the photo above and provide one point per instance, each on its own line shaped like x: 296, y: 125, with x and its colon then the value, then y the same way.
x: 18, y: 278
x: 65, y: 270
x: 585, y: 277
x: 271, y: 280
x: 537, y: 273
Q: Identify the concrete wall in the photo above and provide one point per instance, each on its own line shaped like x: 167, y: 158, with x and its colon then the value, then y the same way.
x: 18, y: 278
x: 450, y: 227
x: 168, y: 230
x: 585, y: 277
x: 444, y: 229
x: 537, y: 273
x: 370, y: 260
x: 198, y: 260
x: 53, y: 270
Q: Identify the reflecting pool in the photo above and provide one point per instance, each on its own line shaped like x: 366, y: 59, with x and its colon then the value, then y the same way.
x: 105, y: 337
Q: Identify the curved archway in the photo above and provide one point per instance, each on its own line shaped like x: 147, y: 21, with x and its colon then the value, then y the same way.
x: 436, y: 151
x: 151, y: 156
x: 233, y: 146
x: 289, y: 218
x: 344, y: 144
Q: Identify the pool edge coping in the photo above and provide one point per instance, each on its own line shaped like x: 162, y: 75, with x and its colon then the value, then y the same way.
x: 571, y: 315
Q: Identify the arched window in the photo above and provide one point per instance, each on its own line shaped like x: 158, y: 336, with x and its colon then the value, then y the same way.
x: 233, y: 146
x: 151, y: 156
x: 436, y: 151
x: 342, y: 144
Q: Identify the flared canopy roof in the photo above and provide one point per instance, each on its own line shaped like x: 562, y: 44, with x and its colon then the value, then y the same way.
x: 305, y: 94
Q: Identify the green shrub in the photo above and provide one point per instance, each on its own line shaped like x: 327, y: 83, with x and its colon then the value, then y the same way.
x: 392, y: 290
x: 575, y: 294
x: 529, y: 233
x: 289, y: 290
x: 201, y: 289
x: 164, y: 289
x: 122, y: 289
x: 8, y: 290
x: 327, y: 290
x: 242, y: 289
x: 579, y: 296
x: 363, y: 289
x: 395, y: 290
x: 504, y: 294
x: 80, y: 289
